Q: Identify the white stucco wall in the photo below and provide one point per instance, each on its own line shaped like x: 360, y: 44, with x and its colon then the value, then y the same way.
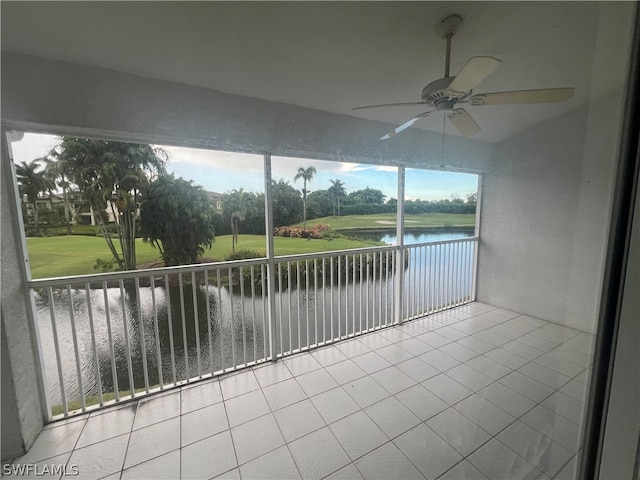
x: 546, y: 203
x: 527, y: 219
x: 21, y: 388
x: 11, y: 434
x: 59, y: 97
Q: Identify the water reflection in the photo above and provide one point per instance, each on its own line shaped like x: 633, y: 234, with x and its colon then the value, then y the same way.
x: 182, y: 326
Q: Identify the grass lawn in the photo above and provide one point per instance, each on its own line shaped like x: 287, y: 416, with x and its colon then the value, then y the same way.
x: 76, y: 254
x: 387, y: 220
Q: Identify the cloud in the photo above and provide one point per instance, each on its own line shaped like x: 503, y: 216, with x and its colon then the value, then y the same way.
x: 229, y: 161
x: 32, y: 146
x: 222, y: 171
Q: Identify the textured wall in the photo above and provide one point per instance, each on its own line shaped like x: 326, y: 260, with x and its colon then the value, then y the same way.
x: 77, y: 98
x: 527, y: 221
x: 12, y: 445
x: 23, y: 384
x: 546, y: 204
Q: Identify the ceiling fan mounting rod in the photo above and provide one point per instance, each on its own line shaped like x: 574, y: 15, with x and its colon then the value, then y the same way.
x: 446, y: 29
x: 447, y: 58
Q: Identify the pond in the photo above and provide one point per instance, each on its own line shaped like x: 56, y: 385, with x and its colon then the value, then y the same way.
x: 414, y: 236
x: 182, y: 326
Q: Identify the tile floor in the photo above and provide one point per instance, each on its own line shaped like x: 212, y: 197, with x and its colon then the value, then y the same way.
x: 471, y: 393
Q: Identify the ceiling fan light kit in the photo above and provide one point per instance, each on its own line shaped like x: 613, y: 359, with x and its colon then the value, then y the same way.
x: 448, y: 93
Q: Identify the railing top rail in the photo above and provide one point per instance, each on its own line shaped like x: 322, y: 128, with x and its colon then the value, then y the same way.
x: 154, y: 272
x: 333, y: 253
x: 443, y: 242
x: 150, y: 272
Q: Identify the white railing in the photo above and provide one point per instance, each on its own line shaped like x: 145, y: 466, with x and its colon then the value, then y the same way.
x: 116, y: 336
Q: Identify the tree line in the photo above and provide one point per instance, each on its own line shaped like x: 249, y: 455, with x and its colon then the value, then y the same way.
x: 129, y: 183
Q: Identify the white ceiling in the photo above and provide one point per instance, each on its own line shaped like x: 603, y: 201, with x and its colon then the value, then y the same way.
x: 325, y: 55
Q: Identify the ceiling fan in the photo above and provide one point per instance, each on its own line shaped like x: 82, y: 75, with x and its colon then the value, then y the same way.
x: 448, y: 93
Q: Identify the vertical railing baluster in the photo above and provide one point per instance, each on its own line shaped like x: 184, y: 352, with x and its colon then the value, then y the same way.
x: 184, y: 329
x: 414, y: 265
x: 143, y: 348
x: 299, y: 322
x: 167, y: 289
x: 353, y: 291
x: 94, y: 350
x: 315, y: 300
x: 361, y: 282
x: 368, y: 316
x: 157, y: 333
x: 242, y: 315
x: 462, y: 281
x: 465, y: 285
x: 112, y: 352
x: 331, y: 305
x: 372, y: 278
x: 339, y: 296
x: 306, y: 287
x: 253, y: 314
x: 234, y: 364
x: 432, y: 278
x: 459, y: 247
x: 220, y: 318
x: 452, y: 261
x: 426, y: 284
x: 281, y: 313
x: 380, y: 287
x: 454, y: 266
x: 452, y: 275
x: 56, y: 346
x: 208, y: 307
x: 421, y: 277
x: 441, y: 272
x: 75, y: 349
x: 290, y: 306
x: 126, y: 338
x: 448, y: 278
x: 447, y: 264
x: 263, y: 286
x: 196, y: 320
x: 324, y: 301
x: 386, y: 288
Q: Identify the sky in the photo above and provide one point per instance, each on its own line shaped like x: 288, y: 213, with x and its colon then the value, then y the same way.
x: 219, y: 171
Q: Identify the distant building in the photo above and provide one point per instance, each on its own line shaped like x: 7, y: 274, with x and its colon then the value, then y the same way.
x: 80, y: 211
x: 216, y: 199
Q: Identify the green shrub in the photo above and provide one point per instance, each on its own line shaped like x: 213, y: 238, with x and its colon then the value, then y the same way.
x: 244, y: 254
x: 104, y: 266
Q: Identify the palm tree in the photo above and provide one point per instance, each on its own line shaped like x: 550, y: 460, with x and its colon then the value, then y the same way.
x: 337, y: 191
x: 238, y: 214
x: 306, y: 174
x: 55, y: 174
x: 112, y: 175
x: 31, y: 183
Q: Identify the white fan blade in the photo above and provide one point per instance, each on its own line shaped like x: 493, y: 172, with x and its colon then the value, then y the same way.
x: 404, y: 126
x: 388, y: 105
x: 547, y: 95
x: 463, y: 122
x: 474, y: 71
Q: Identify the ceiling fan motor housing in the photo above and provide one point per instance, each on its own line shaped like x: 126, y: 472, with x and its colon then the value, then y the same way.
x: 435, y: 94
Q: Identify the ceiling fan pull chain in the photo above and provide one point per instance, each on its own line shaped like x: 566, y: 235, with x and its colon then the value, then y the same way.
x: 444, y: 124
